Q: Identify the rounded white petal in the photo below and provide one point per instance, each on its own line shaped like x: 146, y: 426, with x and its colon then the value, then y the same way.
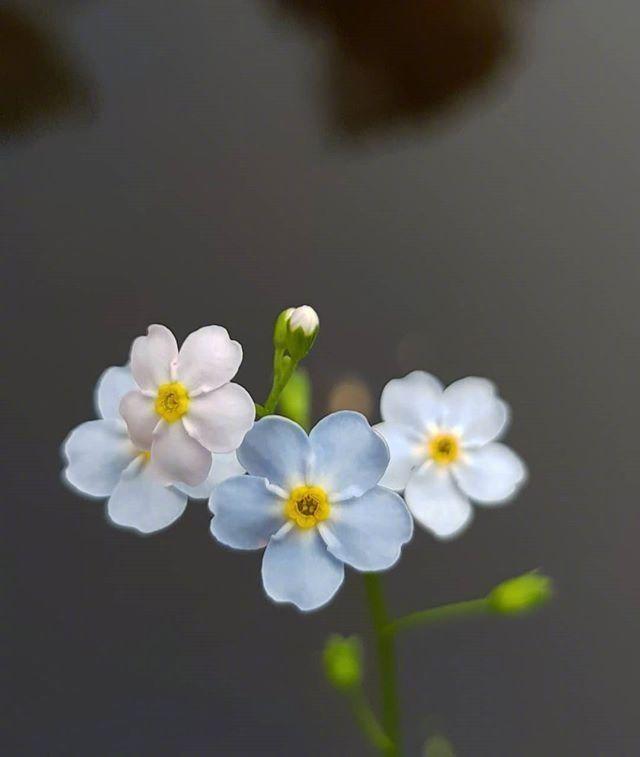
x: 305, y: 318
x: 277, y: 449
x: 368, y: 532
x: 112, y: 385
x: 220, y: 419
x: 142, y: 503
x: 175, y: 456
x: 413, y: 401
x: 407, y: 450
x: 298, y: 568
x: 97, y: 453
x: 222, y: 467
x: 246, y: 513
x: 491, y: 474
x: 349, y: 457
x: 437, y: 503
x: 152, y: 358
x: 141, y: 418
x: 208, y: 359
x: 472, y: 407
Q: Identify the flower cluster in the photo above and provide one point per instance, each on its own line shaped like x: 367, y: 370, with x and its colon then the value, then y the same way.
x: 172, y: 425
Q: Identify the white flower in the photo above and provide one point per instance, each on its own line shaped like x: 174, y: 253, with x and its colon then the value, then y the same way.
x: 185, y: 408
x: 305, y: 318
x: 443, y: 449
x: 313, y: 501
x: 102, y: 461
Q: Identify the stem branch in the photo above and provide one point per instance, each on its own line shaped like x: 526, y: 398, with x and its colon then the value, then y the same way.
x: 470, y: 608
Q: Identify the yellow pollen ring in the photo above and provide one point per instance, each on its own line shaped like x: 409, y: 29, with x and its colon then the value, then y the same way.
x: 444, y: 448
x: 172, y: 401
x: 307, y: 506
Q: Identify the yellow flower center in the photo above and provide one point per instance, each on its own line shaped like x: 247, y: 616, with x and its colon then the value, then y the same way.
x: 172, y: 401
x: 307, y: 506
x: 444, y: 448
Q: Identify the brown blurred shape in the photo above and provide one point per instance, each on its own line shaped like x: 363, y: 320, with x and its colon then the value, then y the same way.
x: 38, y: 83
x: 350, y: 393
x: 405, y: 59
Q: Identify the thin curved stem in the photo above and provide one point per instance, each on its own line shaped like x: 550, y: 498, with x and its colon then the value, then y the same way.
x: 470, y: 608
x: 386, y: 662
x: 368, y: 722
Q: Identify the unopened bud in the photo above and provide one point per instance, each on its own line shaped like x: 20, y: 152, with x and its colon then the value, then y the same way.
x: 281, y: 328
x: 305, y: 318
x: 521, y: 594
x: 343, y: 661
x: 302, y: 329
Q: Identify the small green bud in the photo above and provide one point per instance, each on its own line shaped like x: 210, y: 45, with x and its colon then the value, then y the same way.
x: 302, y: 329
x: 280, y: 329
x: 343, y: 661
x: 521, y: 594
x: 295, y: 400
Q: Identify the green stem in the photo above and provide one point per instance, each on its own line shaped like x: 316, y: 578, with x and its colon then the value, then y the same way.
x: 281, y: 376
x: 470, y: 608
x: 368, y: 722
x: 386, y: 662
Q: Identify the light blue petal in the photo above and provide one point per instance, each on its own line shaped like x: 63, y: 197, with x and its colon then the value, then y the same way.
x: 276, y: 449
x: 368, y: 532
x: 114, y: 383
x: 349, y: 457
x: 297, y: 568
x: 142, y: 503
x: 223, y: 466
x: 97, y: 452
x: 245, y: 512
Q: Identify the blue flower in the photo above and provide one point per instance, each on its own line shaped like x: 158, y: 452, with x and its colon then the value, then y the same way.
x: 314, y: 503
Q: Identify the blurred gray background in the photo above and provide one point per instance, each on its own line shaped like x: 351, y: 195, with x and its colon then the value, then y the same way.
x: 454, y: 187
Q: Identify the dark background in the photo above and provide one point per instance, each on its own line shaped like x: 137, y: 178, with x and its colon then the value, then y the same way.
x: 454, y: 187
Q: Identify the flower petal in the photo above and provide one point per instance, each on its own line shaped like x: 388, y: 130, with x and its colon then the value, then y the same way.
x: 246, y: 512
x: 369, y: 531
x: 175, y: 456
x: 407, y: 450
x: 112, y: 385
x: 222, y: 467
x: 208, y: 359
x: 472, y: 407
x: 220, y: 419
x: 349, y: 457
x: 491, y: 474
x: 436, y: 502
x: 276, y: 449
x: 152, y: 357
x: 97, y: 453
x: 298, y: 568
x: 142, y: 503
x: 141, y: 418
x: 413, y: 401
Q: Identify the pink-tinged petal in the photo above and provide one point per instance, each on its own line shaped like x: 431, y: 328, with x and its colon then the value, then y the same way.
x: 152, y: 357
x: 141, y: 418
x: 220, y: 419
x: 490, y: 475
x: 208, y: 359
x: 175, y: 456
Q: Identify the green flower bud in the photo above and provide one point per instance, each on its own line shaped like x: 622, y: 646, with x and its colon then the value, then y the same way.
x: 302, y: 329
x: 295, y: 400
x: 280, y: 329
x: 343, y: 661
x: 521, y: 594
